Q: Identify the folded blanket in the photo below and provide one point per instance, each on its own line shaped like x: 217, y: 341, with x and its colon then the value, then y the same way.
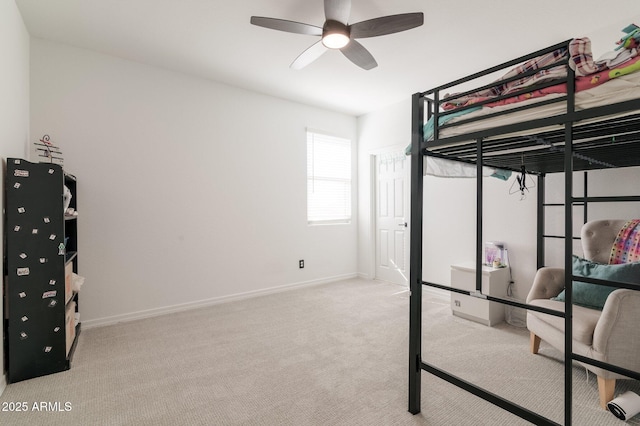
x: 429, y: 125
x: 441, y: 167
x: 582, y: 83
x: 581, y: 58
x: 617, y: 57
x: 500, y: 89
x: 626, y: 246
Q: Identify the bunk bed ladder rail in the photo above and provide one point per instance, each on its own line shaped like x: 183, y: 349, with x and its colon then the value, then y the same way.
x: 568, y: 249
x: 415, y: 272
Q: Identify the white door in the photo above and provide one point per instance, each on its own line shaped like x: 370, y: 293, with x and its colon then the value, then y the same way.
x: 392, y: 201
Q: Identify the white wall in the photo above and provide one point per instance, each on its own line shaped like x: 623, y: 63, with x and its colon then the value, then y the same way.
x: 188, y: 191
x: 377, y: 131
x: 14, y: 102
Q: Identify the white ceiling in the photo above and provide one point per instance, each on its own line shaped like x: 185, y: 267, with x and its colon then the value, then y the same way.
x: 213, y: 39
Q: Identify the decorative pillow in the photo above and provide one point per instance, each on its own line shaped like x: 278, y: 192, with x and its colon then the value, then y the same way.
x: 593, y: 295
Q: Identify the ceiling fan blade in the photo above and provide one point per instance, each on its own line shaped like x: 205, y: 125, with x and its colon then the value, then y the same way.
x: 337, y: 10
x: 311, y: 54
x: 386, y: 25
x: 360, y: 56
x: 288, y: 26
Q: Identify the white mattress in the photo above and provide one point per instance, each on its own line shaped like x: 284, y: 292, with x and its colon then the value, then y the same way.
x: 616, y: 90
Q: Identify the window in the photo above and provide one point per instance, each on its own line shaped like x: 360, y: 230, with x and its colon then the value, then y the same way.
x: 328, y: 179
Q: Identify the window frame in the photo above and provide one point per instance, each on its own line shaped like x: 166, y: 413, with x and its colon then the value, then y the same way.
x: 347, y: 205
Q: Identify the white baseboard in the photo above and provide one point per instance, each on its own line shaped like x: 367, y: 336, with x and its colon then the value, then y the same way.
x: 99, y: 322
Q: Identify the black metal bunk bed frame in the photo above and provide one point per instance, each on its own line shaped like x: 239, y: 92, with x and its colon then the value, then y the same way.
x: 610, y: 142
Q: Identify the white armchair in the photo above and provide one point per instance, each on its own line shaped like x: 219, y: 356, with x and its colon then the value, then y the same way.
x: 611, y: 335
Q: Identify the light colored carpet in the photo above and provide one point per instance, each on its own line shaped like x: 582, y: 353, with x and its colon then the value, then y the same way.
x: 332, y: 354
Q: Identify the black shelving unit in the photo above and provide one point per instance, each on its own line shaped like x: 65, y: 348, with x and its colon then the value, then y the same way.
x: 41, y: 249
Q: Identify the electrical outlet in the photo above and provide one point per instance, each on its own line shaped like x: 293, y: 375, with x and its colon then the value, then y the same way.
x: 457, y: 302
x: 301, y: 263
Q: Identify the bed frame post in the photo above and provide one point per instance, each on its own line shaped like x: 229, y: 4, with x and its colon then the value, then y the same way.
x: 415, y: 274
x: 568, y: 249
x: 479, y: 212
x: 540, y: 222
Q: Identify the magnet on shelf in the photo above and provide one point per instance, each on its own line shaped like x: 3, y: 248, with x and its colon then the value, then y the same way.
x: 49, y: 294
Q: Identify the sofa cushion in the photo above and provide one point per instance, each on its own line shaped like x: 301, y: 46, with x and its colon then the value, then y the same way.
x: 584, y: 319
x: 593, y: 295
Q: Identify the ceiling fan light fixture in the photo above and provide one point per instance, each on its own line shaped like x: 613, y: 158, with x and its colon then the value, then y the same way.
x: 335, y: 35
x: 335, y: 40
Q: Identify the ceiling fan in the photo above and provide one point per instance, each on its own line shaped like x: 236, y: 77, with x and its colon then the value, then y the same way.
x: 337, y: 34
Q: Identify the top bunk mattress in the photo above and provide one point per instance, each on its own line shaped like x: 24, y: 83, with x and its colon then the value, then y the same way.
x: 617, y: 90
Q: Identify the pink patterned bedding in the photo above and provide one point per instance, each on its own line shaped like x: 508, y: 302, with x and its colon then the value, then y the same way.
x: 626, y: 246
x: 588, y: 74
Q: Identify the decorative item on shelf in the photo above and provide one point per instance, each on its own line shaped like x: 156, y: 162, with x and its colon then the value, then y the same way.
x: 495, y: 254
x: 66, y: 198
x: 45, y: 149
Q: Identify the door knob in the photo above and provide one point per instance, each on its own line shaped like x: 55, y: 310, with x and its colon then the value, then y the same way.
x: 403, y: 224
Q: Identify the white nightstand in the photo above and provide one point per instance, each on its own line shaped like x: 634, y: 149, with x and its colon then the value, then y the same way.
x: 494, y: 282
